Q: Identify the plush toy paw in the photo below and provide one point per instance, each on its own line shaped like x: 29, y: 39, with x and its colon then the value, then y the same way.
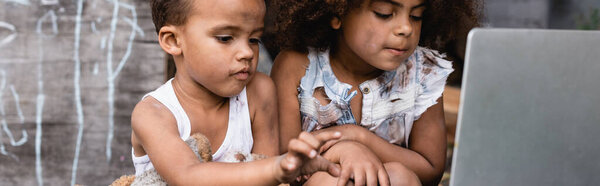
x: 124, y: 180
x: 200, y: 146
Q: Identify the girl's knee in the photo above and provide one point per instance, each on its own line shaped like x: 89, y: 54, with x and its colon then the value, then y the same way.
x: 400, y: 175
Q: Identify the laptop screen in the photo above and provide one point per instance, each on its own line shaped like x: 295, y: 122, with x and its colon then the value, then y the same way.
x: 530, y: 110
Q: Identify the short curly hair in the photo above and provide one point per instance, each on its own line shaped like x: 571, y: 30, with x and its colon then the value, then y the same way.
x: 169, y: 12
x: 298, y: 25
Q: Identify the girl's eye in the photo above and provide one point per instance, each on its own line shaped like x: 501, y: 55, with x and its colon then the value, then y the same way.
x: 223, y: 39
x: 416, y: 18
x: 255, y: 41
x: 383, y: 16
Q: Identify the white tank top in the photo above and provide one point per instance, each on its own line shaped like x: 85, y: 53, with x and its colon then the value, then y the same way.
x: 238, y: 139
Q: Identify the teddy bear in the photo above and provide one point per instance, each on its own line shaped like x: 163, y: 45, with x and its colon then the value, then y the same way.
x: 200, y: 146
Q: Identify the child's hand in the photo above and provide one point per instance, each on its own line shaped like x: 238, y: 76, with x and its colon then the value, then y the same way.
x: 303, y: 159
x: 349, y: 132
x: 359, y: 163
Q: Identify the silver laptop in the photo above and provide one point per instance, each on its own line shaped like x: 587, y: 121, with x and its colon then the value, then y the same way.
x: 530, y: 110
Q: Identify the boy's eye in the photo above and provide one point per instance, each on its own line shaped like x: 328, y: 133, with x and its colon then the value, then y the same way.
x: 255, y: 41
x: 223, y: 39
x: 381, y: 15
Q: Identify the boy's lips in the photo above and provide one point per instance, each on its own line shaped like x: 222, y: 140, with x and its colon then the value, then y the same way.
x: 242, y: 76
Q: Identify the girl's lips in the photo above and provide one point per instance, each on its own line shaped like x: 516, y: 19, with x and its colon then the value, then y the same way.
x: 242, y: 76
x: 396, y: 52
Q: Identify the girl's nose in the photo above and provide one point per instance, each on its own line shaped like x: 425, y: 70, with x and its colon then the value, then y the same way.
x: 404, y: 27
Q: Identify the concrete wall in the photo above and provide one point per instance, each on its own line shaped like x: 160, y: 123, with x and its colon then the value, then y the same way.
x: 569, y: 14
x: 555, y: 14
x: 71, y: 72
x: 516, y: 13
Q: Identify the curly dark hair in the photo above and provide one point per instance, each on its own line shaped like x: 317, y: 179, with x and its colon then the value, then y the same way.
x: 169, y: 12
x: 298, y: 24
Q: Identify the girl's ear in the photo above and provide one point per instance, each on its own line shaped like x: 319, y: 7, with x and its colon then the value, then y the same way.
x: 336, y: 23
x: 168, y: 40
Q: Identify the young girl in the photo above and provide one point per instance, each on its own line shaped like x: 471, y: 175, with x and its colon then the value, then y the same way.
x: 356, y: 66
x: 216, y: 92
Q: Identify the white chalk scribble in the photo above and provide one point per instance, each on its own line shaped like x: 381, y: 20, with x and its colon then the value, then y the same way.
x: 10, y: 37
x: 77, y: 89
x: 112, y: 74
x: 49, y: 16
x: 22, y: 2
x: 4, y: 123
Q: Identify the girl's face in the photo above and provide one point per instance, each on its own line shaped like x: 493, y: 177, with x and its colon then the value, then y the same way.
x: 220, y: 42
x: 383, y: 33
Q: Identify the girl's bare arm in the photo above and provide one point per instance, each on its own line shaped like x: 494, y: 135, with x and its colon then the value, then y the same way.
x: 288, y: 69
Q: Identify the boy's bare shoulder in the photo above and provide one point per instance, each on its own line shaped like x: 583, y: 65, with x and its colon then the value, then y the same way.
x: 289, y: 65
x: 148, y: 113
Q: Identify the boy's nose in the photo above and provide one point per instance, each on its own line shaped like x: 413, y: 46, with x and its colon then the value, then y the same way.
x: 245, y: 53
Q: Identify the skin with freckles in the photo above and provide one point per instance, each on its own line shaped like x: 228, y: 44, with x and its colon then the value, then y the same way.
x: 215, y: 50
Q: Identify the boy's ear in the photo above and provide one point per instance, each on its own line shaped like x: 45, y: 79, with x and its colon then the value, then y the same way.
x: 336, y: 23
x: 168, y: 40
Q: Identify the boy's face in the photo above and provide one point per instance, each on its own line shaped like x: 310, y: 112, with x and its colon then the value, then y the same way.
x: 384, y: 33
x: 219, y: 43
